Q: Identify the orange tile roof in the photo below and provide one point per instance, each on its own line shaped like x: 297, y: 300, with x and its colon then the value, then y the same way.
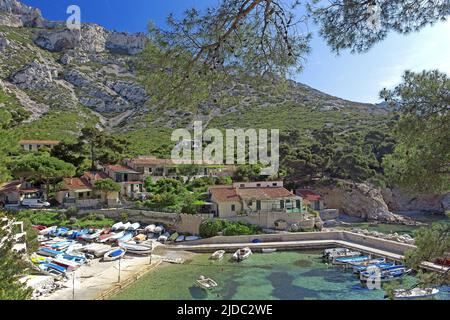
x: 76, y: 184
x: 308, y: 194
x: 224, y: 193
x: 10, y: 186
x: 41, y: 142
x: 228, y: 193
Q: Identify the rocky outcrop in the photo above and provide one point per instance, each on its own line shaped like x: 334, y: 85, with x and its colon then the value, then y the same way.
x: 403, y: 238
x: 399, y: 200
x: 359, y: 200
x: 125, y: 43
x: 35, y: 75
x: 129, y: 90
x: 15, y: 14
x: 92, y: 38
x: 4, y: 43
x: 95, y: 95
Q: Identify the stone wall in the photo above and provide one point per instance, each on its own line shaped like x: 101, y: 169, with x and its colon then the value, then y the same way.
x: 375, y: 243
x: 267, y: 219
x: 184, y: 223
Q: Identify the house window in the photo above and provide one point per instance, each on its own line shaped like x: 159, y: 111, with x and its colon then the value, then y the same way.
x: 233, y: 207
x: 242, y: 185
x: 282, y: 204
x: 299, y: 205
x: 88, y: 194
x: 258, y: 185
x: 274, y: 184
x: 258, y: 205
x: 30, y: 147
x: 250, y: 203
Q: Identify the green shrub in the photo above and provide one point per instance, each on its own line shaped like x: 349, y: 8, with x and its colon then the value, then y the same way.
x: 123, y: 217
x: 212, y: 227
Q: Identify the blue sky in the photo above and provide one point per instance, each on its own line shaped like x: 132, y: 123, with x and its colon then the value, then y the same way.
x: 357, y: 77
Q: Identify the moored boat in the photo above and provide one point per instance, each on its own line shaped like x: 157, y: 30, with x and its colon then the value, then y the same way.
x: 206, y: 283
x: 415, y: 293
x: 192, y: 238
x: 159, y: 229
x: 383, y: 276
x: 114, y: 254
x: 150, y: 228
x: 382, y: 266
x: 174, y: 236
x: 116, y: 236
x: 46, y: 252
x: 350, y: 260
x: 47, y: 230
x: 126, y: 237
x: 218, y: 255
x: 242, y: 254
x: 125, y: 226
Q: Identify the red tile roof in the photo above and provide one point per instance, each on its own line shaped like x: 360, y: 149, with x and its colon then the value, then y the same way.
x: 76, y: 184
x: 41, y: 142
x: 95, y: 175
x: 308, y: 194
x: 10, y: 186
x: 119, y: 167
x: 227, y: 193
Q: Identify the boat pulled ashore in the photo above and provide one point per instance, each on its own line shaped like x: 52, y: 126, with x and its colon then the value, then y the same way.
x: 242, y: 254
x: 114, y: 254
x: 141, y: 249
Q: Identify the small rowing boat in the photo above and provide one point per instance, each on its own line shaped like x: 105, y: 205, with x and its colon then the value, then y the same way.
x: 140, y: 249
x: 415, y: 294
x: 242, y: 254
x: 134, y: 226
x: 206, y: 283
x: 192, y: 238
x: 384, y: 276
x: 114, y: 254
x: 174, y: 236
x: 46, y: 252
x: 150, y: 228
x: 382, y: 266
x: 180, y: 238
x: 218, y: 255
x: 53, y: 270
x: 350, y: 260
x: 117, y: 226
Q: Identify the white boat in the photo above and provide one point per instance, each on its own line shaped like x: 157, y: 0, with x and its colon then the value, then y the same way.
x: 48, y: 230
x: 69, y: 265
x: 125, y: 226
x: 97, y: 250
x: 416, y: 293
x: 117, y: 226
x: 206, y: 283
x: 159, y: 229
x: 242, y: 254
x: 269, y: 250
x: 134, y: 226
x: 136, y: 248
x: 218, y: 255
x: 150, y: 228
x: 162, y: 239
x: 114, y: 254
x: 116, y: 236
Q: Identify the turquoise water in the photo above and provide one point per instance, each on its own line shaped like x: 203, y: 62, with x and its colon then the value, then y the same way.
x: 281, y: 275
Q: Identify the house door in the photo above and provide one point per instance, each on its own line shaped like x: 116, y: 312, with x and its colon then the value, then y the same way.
x: 298, y: 204
x: 258, y: 205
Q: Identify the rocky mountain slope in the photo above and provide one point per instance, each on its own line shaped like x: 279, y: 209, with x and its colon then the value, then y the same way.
x: 88, y: 77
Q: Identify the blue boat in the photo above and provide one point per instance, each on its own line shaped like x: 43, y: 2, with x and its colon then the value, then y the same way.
x: 52, y: 269
x: 192, y: 238
x: 78, y: 259
x: 127, y: 237
x: 348, y: 260
x: 394, y: 273
x: 46, y: 252
x: 180, y: 238
x: 381, y: 266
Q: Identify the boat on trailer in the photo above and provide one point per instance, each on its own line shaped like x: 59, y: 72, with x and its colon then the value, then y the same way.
x: 415, y: 293
x: 242, y: 254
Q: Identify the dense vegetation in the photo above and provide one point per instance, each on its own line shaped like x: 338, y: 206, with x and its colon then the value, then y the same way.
x: 212, y: 228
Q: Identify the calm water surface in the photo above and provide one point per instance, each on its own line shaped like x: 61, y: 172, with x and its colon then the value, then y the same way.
x: 282, y: 275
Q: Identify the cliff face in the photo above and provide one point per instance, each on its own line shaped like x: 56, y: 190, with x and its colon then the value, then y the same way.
x: 366, y: 201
